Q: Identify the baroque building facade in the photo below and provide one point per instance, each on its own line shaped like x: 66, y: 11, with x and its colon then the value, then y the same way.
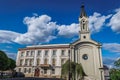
x: 46, y: 60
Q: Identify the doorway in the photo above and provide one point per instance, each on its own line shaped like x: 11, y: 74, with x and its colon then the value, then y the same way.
x: 37, y: 72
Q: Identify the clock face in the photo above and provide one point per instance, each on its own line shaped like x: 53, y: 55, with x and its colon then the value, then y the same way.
x: 85, y: 56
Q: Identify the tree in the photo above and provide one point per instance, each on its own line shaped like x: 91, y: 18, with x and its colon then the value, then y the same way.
x: 78, y: 70
x: 117, y: 63
x: 4, y: 62
x: 12, y: 64
x: 115, y: 72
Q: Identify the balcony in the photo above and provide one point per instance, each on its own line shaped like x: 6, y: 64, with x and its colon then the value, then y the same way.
x: 45, y: 65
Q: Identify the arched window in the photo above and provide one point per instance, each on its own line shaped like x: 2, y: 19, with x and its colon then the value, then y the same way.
x: 83, y: 26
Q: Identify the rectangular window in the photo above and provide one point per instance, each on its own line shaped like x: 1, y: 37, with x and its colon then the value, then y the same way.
x: 46, y: 52
x: 19, y: 70
x: 53, y: 71
x: 25, y: 70
x: 45, y: 61
x: 45, y: 71
x: 21, y: 62
x: 31, y: 61
x: 32, y: 52
x: 39, y: 51
x: 54, y: 52
x: 29, y: 71
x: 38, y: 62
x: 27, y: 53
x: 63, y: 52
x: 22, y: 54
x: 53, y: 62
x: 26, y: 62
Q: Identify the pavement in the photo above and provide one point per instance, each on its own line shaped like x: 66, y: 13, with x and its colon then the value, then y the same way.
x: 31, y: 78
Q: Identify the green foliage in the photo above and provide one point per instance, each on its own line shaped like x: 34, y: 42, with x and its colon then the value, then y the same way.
x: 65, y: 69
x: 12, y: 64
x: 79, y: 69
x: 117, y: 63
x: 115, y: 72
x: 5, y: 62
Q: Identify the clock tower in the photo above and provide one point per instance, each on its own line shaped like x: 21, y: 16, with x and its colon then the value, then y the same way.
x: 87, y: 52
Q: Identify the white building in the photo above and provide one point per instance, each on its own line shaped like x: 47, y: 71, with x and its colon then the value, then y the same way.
x: 42, y: 60
x: 46, y: 60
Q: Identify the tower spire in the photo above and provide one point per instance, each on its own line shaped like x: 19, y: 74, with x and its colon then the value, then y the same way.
x: 83, y: 13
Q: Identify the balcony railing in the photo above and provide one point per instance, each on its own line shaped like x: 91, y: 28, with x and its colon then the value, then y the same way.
x: 45, y: 65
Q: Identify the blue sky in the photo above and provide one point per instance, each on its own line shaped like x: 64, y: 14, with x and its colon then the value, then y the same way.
x: 31, y: 22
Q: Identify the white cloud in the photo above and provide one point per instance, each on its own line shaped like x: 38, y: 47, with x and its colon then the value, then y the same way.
x: 7, y: 36
x: 109, y: 62
x: 97, y: 21
x: 115, y: 21
x: 40, y: 29
x: 68, y: 30
x: 112, y: 47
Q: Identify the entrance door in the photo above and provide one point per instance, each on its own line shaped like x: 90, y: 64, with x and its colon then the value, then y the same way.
x: 37, y: 72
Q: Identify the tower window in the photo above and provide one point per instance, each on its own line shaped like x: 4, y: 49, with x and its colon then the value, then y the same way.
x: 83, y: 26
x: 84, y: 37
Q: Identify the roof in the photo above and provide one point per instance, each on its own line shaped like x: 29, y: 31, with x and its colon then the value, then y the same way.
x: 83, y: 13
x: 86, y: 41
x: 49, y: 46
